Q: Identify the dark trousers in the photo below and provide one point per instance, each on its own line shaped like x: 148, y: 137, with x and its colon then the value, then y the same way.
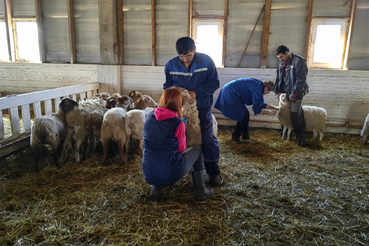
x: 242, y: 128
x: 193, y: 159
x: 298, y: 121
x: 210, y: 144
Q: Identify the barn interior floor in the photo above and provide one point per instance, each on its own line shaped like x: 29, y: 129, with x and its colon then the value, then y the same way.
x: 274, y: 193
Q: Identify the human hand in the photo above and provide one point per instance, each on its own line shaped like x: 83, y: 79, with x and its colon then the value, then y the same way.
x: 192, y: 97
x: 291, y: 99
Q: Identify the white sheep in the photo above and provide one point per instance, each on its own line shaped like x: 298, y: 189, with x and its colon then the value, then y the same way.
x: 114, y: 128
x: 50, y: 129
x: 135, y: 121
x: 76, y: 123
x: 364, y: 132
x: 315, y: 118
x: 144, y: 102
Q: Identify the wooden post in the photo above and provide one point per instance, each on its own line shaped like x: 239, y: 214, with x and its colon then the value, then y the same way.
x: 349, y: 36
x: 9, y: 29
x: 120, y: 31
x: 226, y: 3
x: 109, y: 50
x: 308, y: 27
x: 153, y: 32
x: 189, y: 24
x: 72, y: 31
x: 264, y: 45
x: 243, y: 54
x: 40, y: 28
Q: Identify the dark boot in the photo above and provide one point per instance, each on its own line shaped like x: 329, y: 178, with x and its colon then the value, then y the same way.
x: 236, y: 138
x: 216, y: 180
x: 155, y: 191
x: 201, y: 192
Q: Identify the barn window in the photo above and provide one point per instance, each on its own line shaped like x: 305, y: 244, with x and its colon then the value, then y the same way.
x: 4, y: 55
x: 327, y: 45
x: 208, y: 37
x: 26, y: 40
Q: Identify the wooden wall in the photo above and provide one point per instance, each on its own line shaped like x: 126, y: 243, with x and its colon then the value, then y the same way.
x: 343, y: 93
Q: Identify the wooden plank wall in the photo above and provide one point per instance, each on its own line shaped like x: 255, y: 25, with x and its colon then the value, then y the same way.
x: 343, y: 93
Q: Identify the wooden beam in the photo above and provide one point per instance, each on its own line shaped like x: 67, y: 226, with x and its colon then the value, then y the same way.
x: 349, y: 35
x: 40, y: 28
x: 256, y: 23
x: 9, y: 29
x: 189, y: 24
x: 120, y: 31
x: 264, y: 44
x: 153, y: 32
x: 226, y: 3
x: 72, y: 31
x: 308, y: 27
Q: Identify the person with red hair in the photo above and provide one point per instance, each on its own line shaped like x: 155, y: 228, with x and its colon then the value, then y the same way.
x: 165, y: 158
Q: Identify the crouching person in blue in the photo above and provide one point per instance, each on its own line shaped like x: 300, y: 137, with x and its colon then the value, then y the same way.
x: 196, y: 73
x: 235, y: 95
x: 165, y: 160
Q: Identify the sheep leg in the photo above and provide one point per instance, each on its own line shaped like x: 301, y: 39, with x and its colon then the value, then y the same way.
x: 321, y: 134
x: 76, y: 150
x: 68, y: 136
x: 141, y: 147
x: 284, y: 129
x: 289, y: 134
x: 362, y: 143
x: 105, y: 151
x: 315, y: 133
x: 55, y: 157
x: 122, y: 151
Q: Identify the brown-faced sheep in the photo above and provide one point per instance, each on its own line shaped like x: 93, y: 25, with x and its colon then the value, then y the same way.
x: 135, y: 95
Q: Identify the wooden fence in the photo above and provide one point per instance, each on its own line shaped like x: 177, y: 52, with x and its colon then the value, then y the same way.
x: 18, y: 108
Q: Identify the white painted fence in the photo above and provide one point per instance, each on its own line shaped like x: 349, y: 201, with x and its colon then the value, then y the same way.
x: 18, y: 138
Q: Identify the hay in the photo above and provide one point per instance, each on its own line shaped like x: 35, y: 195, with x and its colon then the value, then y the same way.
x: 274, y: 194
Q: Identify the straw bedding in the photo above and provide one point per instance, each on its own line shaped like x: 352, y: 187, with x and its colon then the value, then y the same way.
x: 274, y: 194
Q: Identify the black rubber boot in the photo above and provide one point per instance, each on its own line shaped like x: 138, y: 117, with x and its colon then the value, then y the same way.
x: 201, y: 192
x: 155, y: 191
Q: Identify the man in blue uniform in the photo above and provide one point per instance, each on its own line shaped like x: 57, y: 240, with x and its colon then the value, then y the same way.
x: 235, y: 95
x: 196, y: 73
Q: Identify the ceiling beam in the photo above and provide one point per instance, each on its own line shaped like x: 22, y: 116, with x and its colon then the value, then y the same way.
x: 9, y: 29
x: 40, y: 28
x: 349, y: 35
x: 226, y: 4
x: 308, y: 28
x: 189, y: 24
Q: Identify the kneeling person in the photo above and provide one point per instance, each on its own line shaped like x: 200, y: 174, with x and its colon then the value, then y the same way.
x: 165, y: 160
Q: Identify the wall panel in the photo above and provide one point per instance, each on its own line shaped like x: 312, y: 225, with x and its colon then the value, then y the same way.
x: 86, y: 18
x: 137, y: 32
x: 23, y: 8
x: 203, y: 8
x: 55, y: 21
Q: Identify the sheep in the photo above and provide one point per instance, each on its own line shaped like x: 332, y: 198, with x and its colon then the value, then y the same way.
x: 50, y: 129
x: 315, y: 117
x: 125, y: 102
x: 102, y: 95
x: 364, y: 132
x: 144, y: 102
x: 135, y: 95
x: 76, y: 122
x: 135, y: 120
x: 114, y: 128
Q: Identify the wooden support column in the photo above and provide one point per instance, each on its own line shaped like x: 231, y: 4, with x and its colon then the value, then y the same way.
x: 153, y: 32
x: 9, y: 29
x: 308, y: 27
x: 226, y: 3
x: 40, y: 28
x: 72, y: 31
x: 264, y: 45
x: 109, y: 50
x: 189, y: 24
x: 120, y: 30
x: 349, y: 35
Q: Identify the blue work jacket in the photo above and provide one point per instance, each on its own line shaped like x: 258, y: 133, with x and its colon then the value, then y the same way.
x: 202, y: 78
x: 236, y: 94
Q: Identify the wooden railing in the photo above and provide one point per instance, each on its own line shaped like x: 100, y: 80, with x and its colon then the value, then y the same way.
x: 40, y: 101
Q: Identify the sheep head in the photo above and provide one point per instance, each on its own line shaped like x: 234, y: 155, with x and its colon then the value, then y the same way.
x: 67, y: 104
x: 283, y: 101
x: 135, y: 95
x: 144, y: 102
x: 125, y: 102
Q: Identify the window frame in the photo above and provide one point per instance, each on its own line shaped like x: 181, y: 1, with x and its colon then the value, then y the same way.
x: 15, y: 36
x: 344, y: 22
x: 2, y: 20
x: 209, y: 21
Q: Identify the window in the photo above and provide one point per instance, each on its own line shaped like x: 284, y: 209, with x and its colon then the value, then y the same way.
x: 327, y: 45
x: 208, y: 37
x: 4, y: 54
x: 26, y: 40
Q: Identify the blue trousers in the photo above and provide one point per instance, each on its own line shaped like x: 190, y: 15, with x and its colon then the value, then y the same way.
x: 242, y: 128
x: 210, y: 144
